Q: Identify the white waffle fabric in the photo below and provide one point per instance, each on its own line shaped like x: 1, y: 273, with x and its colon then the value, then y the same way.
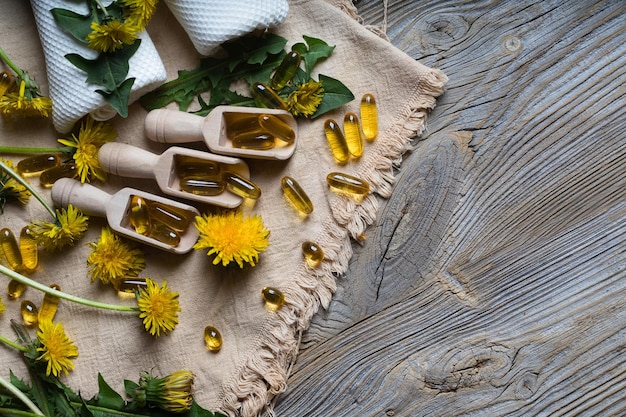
x: 72, y: 97
x: 209, y: 23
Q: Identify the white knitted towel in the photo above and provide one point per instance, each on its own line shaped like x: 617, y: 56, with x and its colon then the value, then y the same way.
x: 209, y: 23
x: 72, y: 98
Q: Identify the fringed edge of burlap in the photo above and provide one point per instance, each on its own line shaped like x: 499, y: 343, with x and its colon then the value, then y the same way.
x: 264, y: 374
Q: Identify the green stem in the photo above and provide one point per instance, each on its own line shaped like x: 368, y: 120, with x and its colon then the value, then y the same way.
x: 22, y: 149
x: 10, y: 63
x: 12, y: 344
x: 107, y: 411
x: 18, y: 178
x: 69, y: 297
x: 19, y: 413
x: 21, y: 396
x: 101, y: 6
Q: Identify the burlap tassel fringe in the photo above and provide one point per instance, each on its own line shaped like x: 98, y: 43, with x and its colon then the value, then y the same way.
x: 264, y: 374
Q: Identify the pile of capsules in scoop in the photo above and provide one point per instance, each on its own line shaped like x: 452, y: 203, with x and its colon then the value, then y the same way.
x: 257, y: 131
x: 210, y: 178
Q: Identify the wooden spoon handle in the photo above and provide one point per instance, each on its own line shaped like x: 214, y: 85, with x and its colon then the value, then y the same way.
x: 173, y: 126
x: 85, y: 197
x: 127, y: 160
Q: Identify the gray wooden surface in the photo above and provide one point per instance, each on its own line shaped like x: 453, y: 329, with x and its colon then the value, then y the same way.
x: 494, y: 281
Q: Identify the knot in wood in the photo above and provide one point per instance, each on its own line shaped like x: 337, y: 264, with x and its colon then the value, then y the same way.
x: 444, y: 29
x: 467, y: 367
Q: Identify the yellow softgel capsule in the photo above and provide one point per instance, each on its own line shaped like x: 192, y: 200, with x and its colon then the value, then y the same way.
x: 50, y: 175
x: 236, y: 123
x: 202, y: 186
x: 347, y: 184
x: 352, y: 130
x: 264, y: 96
x: 28, y: 249
x: 296, y: 195
x: 273, y: 297
x: 29, y: 312
x: 36, y: 164
x: 275, y: 126
x: 241, y: 186
x: 49, y: 305
x: 212, y: 339
x: 11, y: 249
x: 187, y: 166
x: 369, y: 117
x: 257, y: 140
x: 163, y: 233
x: 336, y: 141
x: 139, y: 215
x: 15, y: 289
x: 177, y: 218
x: 313, y: 254
x: 286, y: 70
x: 129, y: 285
x: 6, y: 83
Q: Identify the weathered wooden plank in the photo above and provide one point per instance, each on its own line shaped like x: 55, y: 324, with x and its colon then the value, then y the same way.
x: 493, y: 281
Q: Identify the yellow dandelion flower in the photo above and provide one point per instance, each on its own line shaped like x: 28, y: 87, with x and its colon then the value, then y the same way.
x: 231, y: 237
x: 91, y: 136
x: 70, y: 226
x: 140, y: 12
x: 2, y: 306
x: 57, y: 349
x: 111, y: 36
x: 172, y: 393
x: 25, y: 103
x: 159, y: 307
x: 177, y: 392
x: 10, y: 189
x: 305, y: 99
x: 112, y: 258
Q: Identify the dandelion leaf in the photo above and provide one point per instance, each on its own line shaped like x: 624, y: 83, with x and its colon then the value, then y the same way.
x: 336, y: 94
x: 107, y: 397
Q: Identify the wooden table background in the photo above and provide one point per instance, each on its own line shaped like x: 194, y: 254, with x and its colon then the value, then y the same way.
x: 493, y: 282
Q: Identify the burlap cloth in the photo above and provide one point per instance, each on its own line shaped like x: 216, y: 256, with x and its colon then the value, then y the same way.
x: 259, y: 346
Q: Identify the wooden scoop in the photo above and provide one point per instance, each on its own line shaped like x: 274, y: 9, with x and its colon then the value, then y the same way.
x: 116, y: 209
x: 133, y: 162
x: 173, y: 126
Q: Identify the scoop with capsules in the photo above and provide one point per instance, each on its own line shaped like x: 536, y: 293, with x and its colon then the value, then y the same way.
x: 247, y: 132
x: 147, y: 218
x: 179, y: 172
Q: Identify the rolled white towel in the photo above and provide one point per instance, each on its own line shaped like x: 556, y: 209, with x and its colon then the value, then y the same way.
x: 209, y: 23
x: 72, y: 97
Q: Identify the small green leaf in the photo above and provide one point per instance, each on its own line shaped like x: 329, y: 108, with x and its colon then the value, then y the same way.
x: 77, y: 25
x: 273, y: 44
x: 107, y: 397
x: 118, y: 98
x: 300, y: 77
x: 108, y: 70
x: 336, y: 94
x: 317, y: 49
x: 19, y: 383
x: 197, y: 411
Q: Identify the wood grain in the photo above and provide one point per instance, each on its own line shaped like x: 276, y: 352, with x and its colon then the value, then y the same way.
x: 493, y: 280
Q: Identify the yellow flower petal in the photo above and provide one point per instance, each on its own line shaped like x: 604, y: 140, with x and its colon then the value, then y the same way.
x: 91, y: 136
x: 111, y: 36
x: 112, y: 258
x: 70, y: 226
x: 305, y: 99
x: 231, y: 237
x: 57, y: 349
x: 159, y: 307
